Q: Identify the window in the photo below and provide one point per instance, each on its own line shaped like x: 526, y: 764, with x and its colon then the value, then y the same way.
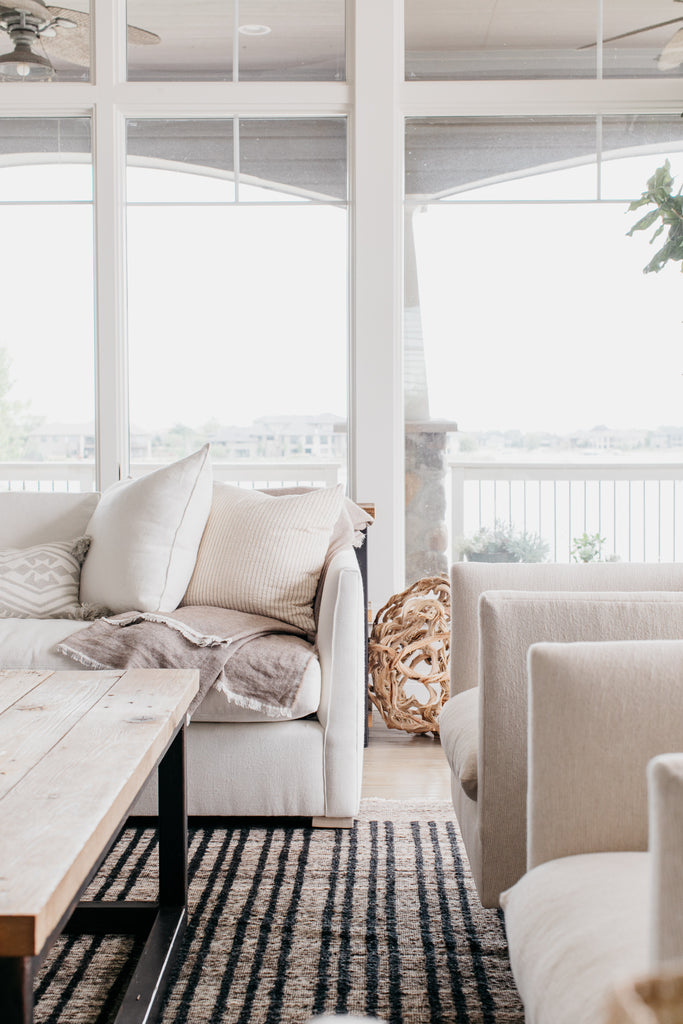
x: 528, y: 318
x: 46, y: 266
x: 237, y: 247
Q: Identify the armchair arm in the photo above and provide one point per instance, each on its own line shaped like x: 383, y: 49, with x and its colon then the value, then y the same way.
x: 598, y: 712
x: 665, y: 801
x: 340, y: 642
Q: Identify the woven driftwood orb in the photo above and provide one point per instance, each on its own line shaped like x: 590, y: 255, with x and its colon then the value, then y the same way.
x: 409, y: 644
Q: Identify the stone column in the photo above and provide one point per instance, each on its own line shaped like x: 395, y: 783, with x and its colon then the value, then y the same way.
x: 426, y: 476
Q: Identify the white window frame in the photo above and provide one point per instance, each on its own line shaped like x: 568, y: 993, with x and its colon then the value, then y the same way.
x: 376, y: 100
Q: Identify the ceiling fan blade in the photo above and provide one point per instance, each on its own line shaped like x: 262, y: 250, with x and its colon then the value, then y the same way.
x: 633, y: 32
x: 135, y: 36
x: 34, y: 7
x: 73, y: 44
x: 672, y: 54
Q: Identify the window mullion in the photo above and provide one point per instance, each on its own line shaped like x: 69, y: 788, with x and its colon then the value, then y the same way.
x: 377, y: 450
x: 110, y: 263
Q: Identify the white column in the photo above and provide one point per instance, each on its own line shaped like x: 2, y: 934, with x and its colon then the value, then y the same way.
x: 377, y: 446
x: 108, y: 49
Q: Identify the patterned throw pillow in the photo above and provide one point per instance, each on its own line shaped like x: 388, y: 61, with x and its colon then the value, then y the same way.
x: 42, y: 582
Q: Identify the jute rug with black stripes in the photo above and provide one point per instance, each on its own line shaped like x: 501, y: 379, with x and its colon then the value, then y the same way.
x: 287, y: 923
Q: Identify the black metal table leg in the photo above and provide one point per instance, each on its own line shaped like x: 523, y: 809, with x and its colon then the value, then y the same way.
x: 144, y: 994
x: 173, y: 826
x: 16, y: 989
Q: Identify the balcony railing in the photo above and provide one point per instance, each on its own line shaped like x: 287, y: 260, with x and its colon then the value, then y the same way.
x: 637, y: 506
x: 80, y: 476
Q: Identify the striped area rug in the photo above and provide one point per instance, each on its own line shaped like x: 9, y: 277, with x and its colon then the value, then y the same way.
x: 287, y: 923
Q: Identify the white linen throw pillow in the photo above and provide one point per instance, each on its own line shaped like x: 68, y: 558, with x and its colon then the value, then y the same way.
x: 264, y: 554
x: 145, y: 535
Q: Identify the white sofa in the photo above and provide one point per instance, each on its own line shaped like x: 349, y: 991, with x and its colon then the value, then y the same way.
x: 497, y: 612
x: 596, y: 908
x: 240, y: 761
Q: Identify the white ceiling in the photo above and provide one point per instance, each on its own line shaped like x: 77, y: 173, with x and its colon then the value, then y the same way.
x: 444, y: 38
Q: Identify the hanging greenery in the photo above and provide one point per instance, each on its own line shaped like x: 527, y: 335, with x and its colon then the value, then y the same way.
x: 669, y: 210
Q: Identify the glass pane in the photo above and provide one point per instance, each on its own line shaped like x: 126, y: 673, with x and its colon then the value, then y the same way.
x: 249, y: 297
x: 190, y: 45
x: 39, y: 43
x: 237, y: 321
x: 524, y: 323
x: 646, y: 43
x: 498, y: 158
x: 298, y: 158
x: 633, y: 149
x: 46, y: 346
x: 284, y: 42
x: 254, y: 40
x: 489, y: 39
x: 191, y: 148
x: 28, y: 144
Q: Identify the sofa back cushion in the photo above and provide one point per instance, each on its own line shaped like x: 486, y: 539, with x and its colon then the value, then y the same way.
x: 264, y: 554
x: 32, y: 517
x: 144, y: 537
x: 470, y: 579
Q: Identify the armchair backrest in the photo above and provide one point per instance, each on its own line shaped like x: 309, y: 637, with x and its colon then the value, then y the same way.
x: 598, y: 713
x: 510, y: 622
x: 470, y: 579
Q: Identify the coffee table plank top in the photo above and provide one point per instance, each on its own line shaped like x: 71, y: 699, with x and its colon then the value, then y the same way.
x: 71, y: 785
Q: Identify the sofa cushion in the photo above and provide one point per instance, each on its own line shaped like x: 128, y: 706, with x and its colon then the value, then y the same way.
x: 459, y: 732
x: 42, y: 581
x: 145, y: 535
x: 33, y: 517
x: 264, y: 554
x: 575, y: 927
x: 31, y: 643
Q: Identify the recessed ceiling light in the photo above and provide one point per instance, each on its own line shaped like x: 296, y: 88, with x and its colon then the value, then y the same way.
x: 254, y: 30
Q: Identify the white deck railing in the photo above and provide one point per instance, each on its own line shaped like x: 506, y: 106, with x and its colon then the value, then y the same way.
x: 80, y: 476
x: 636, y: 506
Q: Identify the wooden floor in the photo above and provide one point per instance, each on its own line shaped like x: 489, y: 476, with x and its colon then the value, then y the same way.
x: 400, y: 765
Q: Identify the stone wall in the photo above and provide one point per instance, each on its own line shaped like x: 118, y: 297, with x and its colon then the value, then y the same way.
x: 426, y: 480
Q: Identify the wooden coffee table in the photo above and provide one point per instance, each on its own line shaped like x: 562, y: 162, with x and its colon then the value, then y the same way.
x: 76, y: 748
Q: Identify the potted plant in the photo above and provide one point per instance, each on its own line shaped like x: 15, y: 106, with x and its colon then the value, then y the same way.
x: 503, y: 543
x: 668, y: 209
x: 588, y: 548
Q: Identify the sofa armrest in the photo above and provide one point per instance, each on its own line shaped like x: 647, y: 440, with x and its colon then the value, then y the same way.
x: 598, y: 712
x: 340, y: 642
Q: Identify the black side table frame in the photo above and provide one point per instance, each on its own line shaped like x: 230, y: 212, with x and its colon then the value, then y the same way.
x: 163, y: 922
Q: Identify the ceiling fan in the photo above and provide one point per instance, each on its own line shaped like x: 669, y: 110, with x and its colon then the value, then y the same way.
x: 61, y: 33
x: 672, y: 53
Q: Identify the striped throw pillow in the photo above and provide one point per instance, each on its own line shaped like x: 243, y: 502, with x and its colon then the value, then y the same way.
x: 42, y: 582
x: 264, y: 554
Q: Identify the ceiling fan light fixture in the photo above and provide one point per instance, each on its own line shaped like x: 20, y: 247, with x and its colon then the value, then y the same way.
x: 254, y: 30
x: 23, y: 63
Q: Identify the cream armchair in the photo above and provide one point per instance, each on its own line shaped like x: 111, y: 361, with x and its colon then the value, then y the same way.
x: 594, y: 908
x: 497, y: 613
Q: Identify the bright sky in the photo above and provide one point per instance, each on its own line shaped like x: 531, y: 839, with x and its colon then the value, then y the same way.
x: 540, y: 318
x: 534, y: 317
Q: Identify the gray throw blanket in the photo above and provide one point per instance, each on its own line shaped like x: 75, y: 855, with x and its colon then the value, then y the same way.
x: 235, y: 652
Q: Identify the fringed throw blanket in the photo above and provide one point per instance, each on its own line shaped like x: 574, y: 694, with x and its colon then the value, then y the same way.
x: 232, y: 650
